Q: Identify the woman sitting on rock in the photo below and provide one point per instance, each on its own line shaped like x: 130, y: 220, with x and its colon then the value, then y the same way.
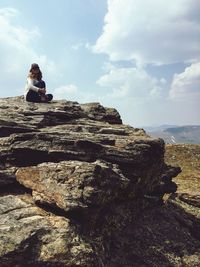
x: 35, y: 89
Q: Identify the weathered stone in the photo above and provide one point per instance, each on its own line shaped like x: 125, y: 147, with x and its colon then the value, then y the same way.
x: 29, y: 236
x: 7, y: 176
x: 16, y: 111
x: 139, y: 234
x: 140, y: 160
x: 79, y: 188
x: 73, y: 185
x: 97, y: 112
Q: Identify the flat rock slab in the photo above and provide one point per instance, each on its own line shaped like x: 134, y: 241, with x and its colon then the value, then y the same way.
x: 16, y: 112
x: 73, y: 185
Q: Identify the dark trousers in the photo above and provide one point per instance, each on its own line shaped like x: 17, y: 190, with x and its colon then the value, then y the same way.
x: 33, y: 96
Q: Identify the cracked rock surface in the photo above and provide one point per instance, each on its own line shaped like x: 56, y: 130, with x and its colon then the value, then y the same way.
x: 80, y: 188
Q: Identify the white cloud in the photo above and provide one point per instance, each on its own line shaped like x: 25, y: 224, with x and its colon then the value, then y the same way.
x: 14, y: 35
x: 17, y: 53
x: 130, y: 82
x: 186, y: 85
x: 63, y: 92
x: 152, y: 31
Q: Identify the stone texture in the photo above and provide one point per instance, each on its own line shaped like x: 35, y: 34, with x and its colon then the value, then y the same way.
x: 79, y: 188
x: 7, y: 176
x: 166, y: 235
x: 73, y: 185
x: 29, y: 236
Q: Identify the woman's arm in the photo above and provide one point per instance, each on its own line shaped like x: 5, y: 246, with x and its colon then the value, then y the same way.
x: 30, y: 85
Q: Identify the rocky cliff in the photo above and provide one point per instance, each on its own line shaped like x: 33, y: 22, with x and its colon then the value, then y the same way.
x: 79, y: 188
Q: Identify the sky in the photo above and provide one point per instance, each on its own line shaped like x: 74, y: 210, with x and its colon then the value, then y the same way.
x: 140, y: 57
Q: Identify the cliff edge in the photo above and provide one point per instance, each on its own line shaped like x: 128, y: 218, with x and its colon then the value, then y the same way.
x: 79, y: 188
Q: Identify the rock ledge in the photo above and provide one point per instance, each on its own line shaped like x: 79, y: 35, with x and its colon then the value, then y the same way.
x: 79, y: 188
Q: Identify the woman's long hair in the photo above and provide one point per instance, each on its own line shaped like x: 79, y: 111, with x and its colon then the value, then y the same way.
x: 35, y: 76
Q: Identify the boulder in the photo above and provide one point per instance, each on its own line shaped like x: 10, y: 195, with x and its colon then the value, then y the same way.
x: 73, y: 185
x: 80, y: 188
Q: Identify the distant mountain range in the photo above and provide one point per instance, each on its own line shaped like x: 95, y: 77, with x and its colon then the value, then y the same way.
x: 173, y: 134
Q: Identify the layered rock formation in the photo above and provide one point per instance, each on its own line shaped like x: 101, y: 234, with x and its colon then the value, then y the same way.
x: 79, y: 188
